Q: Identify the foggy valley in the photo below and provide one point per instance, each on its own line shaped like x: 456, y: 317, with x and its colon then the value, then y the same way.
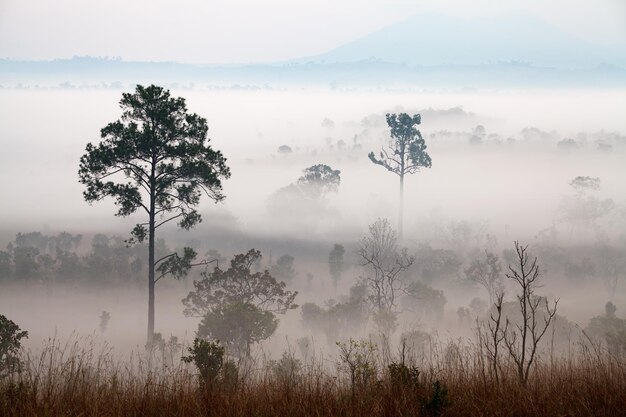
x: 304, y: 237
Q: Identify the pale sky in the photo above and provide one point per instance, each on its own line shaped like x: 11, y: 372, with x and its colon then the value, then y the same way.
x: 244, y: 31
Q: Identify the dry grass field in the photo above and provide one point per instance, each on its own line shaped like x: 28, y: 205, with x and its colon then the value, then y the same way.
x: 80, y: 380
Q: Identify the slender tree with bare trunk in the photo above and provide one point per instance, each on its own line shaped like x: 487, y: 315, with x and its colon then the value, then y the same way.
x: 155, y: 159
x: 406, y: 153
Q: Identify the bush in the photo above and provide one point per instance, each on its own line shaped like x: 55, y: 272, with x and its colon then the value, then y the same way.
x: 438, y: 400
x: 10, y: 345
x: 403, y: 377
x: 357, y: 360
x: 208, y: 357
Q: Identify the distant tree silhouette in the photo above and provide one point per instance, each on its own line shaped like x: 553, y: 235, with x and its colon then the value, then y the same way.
x: 318, y: 180
x: 284, y: 149
x: 583, y: 210
x: 305, y: 200
x: 336, y: 263
x: 157, y: 159
x: 486, y: 271
x: 6, y: 267
x: 610, y: 329
x: 283, y: 268
x: 25, y: 261
x: 346, y: 316
x: 406, y: 153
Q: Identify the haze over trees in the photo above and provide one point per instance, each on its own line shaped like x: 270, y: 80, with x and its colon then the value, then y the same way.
x: 305, y: 201
x: 311, y: 189
x: 301, y: 293
x: 157, y: 159
x: 487, y: 272
x: 283, y: 269
x: 582, y: 210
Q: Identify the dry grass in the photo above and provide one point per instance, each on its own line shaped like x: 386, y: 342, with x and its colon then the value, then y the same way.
x: 80, y: 380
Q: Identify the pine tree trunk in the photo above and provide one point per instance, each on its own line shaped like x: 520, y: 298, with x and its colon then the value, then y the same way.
x: 401, y: 208
x: 151, y: 280
x: 151, y: 233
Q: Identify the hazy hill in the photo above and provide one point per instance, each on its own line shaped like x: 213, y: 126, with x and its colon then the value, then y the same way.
x: 432, y: 39
x: 426, y: 50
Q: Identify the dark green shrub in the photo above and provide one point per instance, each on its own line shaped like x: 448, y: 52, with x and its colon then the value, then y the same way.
x: 438, y: 400
x: 10, y: 345
x: 208, y: 357
x: 403, y: 377
x: 230, y: 375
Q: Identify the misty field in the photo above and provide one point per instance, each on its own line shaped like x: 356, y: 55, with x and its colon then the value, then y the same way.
x: 330, y: 208
x: 383, y: 253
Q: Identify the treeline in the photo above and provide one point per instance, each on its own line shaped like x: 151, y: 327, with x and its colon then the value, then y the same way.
x: 106, y: 260
x: 67, y: 258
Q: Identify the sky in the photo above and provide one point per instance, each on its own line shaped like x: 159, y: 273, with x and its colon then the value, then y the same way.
x: 247, y: 31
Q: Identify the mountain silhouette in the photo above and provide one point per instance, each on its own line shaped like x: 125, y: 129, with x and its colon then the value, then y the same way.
x: 434, y: 39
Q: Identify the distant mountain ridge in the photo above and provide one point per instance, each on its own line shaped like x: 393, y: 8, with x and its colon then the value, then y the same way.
x: 105, y: 73
x: 426, y: 50
x: 434, y: 40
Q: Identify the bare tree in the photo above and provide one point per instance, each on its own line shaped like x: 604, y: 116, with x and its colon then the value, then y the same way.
x: 384, y: 264
x: 492, y: 338
x: 522, y: 338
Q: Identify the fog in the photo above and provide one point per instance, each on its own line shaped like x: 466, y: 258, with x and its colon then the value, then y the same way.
x: 44, y: 134
x: 480, y: 194
x: 320, y: 208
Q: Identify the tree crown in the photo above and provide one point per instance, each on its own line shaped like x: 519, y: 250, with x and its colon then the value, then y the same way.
x: 320, y: 179
x: 406, y: 153
x: 156, y: 157
x: 238, y: 285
